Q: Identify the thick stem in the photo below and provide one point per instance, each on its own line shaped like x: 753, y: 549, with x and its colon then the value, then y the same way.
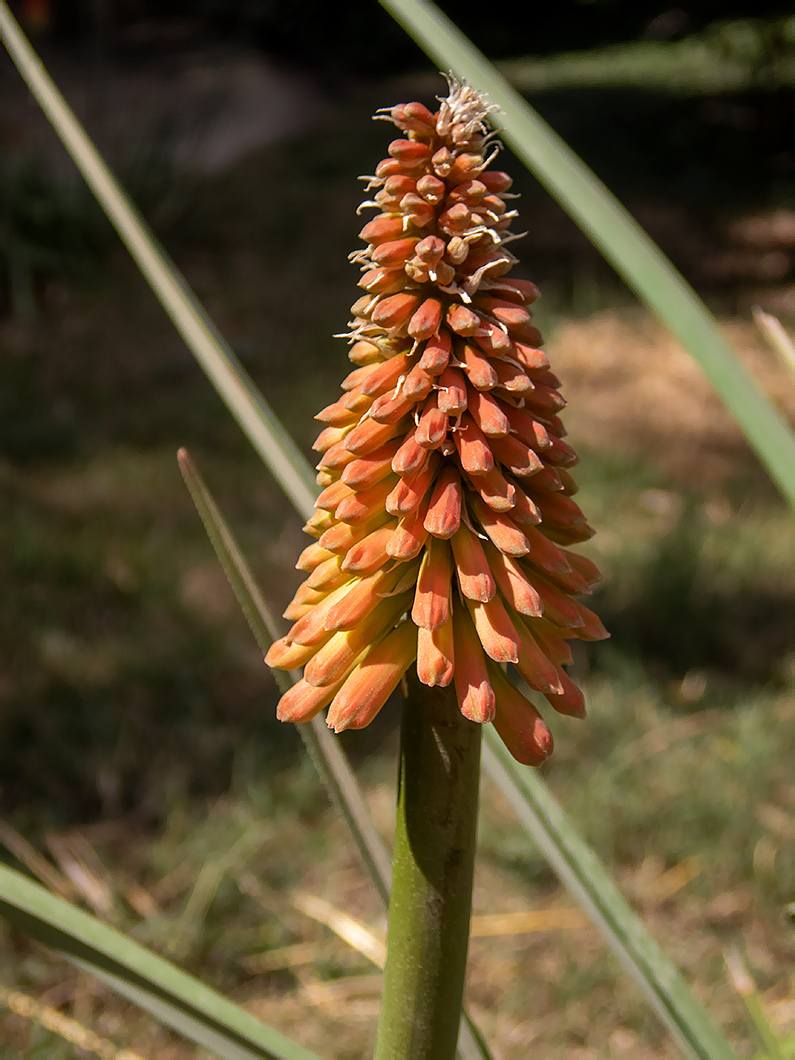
x: 432, y: 869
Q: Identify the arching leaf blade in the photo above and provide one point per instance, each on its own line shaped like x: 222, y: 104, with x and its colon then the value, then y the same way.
x: 167, y: 992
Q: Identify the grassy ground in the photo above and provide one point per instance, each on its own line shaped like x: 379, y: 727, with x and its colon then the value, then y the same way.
x: 140, y: 754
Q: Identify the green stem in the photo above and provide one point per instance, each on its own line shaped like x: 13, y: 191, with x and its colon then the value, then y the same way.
x: 432, y: 869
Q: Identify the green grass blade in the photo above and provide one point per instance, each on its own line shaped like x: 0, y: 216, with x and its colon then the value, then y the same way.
x: 324, y: 749
x: 169, y: 994
x: 263, y: 624
x: 581, y: 872
x: 213, y: 353
x: 618, y: 236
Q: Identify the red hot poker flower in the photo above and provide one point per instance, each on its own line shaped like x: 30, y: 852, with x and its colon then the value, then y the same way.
x: 443, y: 526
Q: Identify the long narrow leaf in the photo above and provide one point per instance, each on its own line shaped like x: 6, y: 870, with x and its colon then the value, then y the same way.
x: 173, y: 996
x: 614, y: 231
x: 213, y: 353
x: 581, y: 872
x: 324, y: 750
x: 246, y: 409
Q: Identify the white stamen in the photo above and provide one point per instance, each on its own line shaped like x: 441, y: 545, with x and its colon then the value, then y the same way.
x: 509, y: 237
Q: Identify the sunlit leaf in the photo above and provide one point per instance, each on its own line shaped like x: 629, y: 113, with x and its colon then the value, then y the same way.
x: 154, y: 984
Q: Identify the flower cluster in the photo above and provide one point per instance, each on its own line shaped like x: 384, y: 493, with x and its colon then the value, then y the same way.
x: 447, y: 505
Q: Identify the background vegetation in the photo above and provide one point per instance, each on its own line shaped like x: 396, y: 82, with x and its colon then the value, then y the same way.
x: 140, y: 755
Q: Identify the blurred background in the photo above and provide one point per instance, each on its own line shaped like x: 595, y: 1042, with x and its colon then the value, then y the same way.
x: 142, y: 772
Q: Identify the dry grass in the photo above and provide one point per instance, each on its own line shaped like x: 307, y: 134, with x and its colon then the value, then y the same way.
x: 633, y: 389
x: 539, y: 976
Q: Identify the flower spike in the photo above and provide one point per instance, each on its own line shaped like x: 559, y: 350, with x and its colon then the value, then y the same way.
x: 443, y: 528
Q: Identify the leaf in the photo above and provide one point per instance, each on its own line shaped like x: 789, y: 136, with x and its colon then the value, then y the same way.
x: 614, y: 231
x: 324, y: 749
x: 153, y: 983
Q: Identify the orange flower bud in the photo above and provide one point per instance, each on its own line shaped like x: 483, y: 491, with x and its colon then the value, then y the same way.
x: 496, y: 490
x: 284, y: 656
x: 362, y: 505
x: 368, y: 436
x: 312, y: 556
x: 409, y: 151
x: 480, y: 372
x: 395, y: 252
x: 436, y: 655
x: 395, y: 310
x: 304, y: 599
x: 518, y: 457
x: 432, y: 425
x: 452, y: 393
x: 515, y: 585
x: 367, y: 470
x: 382, y: 229
x: 303, y: 701
x: 326, y: 575
x: 529, y: 357
x: 487, y: 413
x: 410, y: 457
x: 425, y: 322
x: 341, y: 537
x: 432, y: 599
x: 495, y: 630
x: 473, y: 449
x: 410, y: 537
x: 475, y: 578
x: 473, y: 687
x: 361, y: 598
x: 332, y: 496
x: 444, y: 510
x: 436, y: 354
x: 411, y: 489
x: 370, y: 553
x: 418, y: 383
x: 374, y: 679
x: 519, y: 724
x: 341, y: 650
